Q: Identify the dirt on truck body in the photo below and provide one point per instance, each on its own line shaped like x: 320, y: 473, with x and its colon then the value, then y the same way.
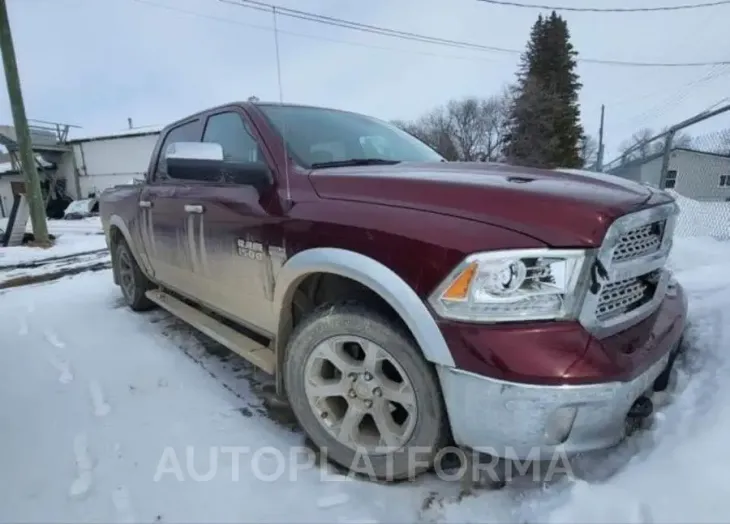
x: 404, y: 303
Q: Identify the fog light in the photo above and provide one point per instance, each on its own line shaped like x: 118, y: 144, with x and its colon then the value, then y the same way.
x: 560, y: 424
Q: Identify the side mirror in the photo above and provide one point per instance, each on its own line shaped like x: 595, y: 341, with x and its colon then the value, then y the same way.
x: 205, y: 161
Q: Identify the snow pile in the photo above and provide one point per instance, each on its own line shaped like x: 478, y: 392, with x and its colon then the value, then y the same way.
x: 88, y: 226
x: 65, y: 245
x: 702, y: 219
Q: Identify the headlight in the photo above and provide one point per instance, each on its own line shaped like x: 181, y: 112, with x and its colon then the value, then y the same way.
x: 500, y: 286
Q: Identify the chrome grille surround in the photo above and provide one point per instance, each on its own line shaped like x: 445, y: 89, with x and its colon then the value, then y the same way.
x: 624, y: 297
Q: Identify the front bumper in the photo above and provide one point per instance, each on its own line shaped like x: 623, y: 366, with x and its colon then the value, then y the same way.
x: 527, y: 420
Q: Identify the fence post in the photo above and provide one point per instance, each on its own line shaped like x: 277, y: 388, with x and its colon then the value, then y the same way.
x: 665, y: 158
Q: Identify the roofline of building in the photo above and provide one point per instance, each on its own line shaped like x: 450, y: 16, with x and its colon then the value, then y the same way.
x: 113, y: 136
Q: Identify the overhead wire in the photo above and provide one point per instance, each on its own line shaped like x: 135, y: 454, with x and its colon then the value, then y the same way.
x: 205, y: 16
x: 545, y: 7
x: 416, y: 37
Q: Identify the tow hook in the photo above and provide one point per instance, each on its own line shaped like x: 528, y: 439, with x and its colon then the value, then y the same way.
x: 642, y: 408
x: 639, y: 414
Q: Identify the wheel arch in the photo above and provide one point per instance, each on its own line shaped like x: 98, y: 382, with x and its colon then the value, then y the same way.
x: 372, y: 274
x: 118, y: 230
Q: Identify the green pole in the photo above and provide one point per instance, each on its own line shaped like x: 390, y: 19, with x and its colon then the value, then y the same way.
x: 20, y: 121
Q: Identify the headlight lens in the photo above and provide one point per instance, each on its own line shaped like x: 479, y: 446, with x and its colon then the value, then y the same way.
x: 501, y: 286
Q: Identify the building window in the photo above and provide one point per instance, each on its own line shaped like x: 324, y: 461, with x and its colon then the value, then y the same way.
x: 671, y: 179
x: 724, y: 180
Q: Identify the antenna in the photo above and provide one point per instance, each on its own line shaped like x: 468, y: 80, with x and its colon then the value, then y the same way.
x: 281, y: 101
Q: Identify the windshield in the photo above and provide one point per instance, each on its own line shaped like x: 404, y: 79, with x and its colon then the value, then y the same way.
x: 316, y: 136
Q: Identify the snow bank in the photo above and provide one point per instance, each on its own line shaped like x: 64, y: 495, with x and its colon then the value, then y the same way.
x: 72, y: 237
x: 65, y: 245
x: 90, y: 226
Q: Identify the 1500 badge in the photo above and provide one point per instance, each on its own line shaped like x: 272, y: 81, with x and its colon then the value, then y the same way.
x: 252, y: 250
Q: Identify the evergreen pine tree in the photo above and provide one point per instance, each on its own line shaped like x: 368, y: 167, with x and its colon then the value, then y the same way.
x: 543, y: 129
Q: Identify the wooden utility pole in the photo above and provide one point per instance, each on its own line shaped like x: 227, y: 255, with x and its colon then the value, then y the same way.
x: 22, y: 132
x: 599, y: 159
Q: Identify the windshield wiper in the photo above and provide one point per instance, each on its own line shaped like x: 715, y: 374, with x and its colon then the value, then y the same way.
x: 356, y: 162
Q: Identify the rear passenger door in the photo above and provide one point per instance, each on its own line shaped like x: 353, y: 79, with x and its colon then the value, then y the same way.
x: 163, y: 219
x: 237, y: 257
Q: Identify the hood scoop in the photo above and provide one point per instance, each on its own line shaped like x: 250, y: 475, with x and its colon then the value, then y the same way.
x: 519, y: 179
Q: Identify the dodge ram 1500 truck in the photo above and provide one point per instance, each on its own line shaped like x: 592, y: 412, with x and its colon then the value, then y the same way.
x: 403, y: 302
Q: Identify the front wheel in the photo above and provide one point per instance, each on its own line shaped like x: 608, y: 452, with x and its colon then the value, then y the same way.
x: 363, y: 393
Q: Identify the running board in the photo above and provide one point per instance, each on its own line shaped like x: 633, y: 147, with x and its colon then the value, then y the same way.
x: 257, y: 354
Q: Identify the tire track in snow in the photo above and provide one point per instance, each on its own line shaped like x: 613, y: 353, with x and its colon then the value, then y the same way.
x: 331, y: 501
x: 83, y: 482
x: 53, y: 340
x: 61, y: 365
x: 123, y: 505
x: 64, y: 368
x: 101, y: 406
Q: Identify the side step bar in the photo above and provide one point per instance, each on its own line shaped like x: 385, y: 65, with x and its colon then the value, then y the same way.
x: 258, y: 355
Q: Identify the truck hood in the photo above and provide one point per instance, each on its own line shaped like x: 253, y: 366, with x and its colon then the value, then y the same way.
x: 566, y: 208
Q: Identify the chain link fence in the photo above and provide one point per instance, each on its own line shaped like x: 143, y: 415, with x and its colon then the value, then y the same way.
x: 693, y: 164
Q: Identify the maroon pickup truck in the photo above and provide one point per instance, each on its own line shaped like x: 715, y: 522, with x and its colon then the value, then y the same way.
x: 402, y: 302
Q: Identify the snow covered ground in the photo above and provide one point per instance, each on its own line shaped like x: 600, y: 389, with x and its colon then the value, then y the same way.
x: 72, y: 237
x: 101, y: 406
x: 90, y: 225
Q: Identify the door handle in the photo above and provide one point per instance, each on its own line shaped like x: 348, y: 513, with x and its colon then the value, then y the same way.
x: 145, y: 203
x: 193, y: 208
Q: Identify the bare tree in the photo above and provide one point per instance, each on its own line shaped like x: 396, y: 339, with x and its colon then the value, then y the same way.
x: 588, y: 150
x: 714, y: 142
x: 468, y: 129
x: 433, y: 129
x: 639, y: 146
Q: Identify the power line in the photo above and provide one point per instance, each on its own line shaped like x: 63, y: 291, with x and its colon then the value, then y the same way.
x: 415, y: 37
x: 682, y: 7
x: 230, y: 21
x: 673, y: 100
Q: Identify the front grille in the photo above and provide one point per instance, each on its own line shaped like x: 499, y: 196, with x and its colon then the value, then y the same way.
x: 628, y: 279
x: 619, y: 298
x: 639, y: 242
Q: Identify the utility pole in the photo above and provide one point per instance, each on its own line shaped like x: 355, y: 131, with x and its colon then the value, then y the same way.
x: 599, y: 159
x: 22, y: 132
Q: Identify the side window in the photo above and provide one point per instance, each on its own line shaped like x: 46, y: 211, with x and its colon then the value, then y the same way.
x: 187, y: 132
x: 231, y: 132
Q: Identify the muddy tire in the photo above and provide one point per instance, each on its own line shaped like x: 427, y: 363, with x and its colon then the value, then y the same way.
x: 133, y: 282
x: 364, y: 394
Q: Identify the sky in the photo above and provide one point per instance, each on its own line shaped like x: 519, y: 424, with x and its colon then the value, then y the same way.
x: 96, y: 63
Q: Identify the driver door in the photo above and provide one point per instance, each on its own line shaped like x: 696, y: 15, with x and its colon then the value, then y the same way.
x: 230, y: 224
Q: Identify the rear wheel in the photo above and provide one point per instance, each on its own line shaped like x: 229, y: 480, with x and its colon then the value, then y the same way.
x: 363, y: 393
x: 133, y: 282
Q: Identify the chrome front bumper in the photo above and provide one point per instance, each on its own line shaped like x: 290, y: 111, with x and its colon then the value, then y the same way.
x: 524, y: 421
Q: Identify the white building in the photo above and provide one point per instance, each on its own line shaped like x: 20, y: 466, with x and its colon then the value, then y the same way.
x: 694, y: 174
x: 97, y: 163
x: 80, y: 166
